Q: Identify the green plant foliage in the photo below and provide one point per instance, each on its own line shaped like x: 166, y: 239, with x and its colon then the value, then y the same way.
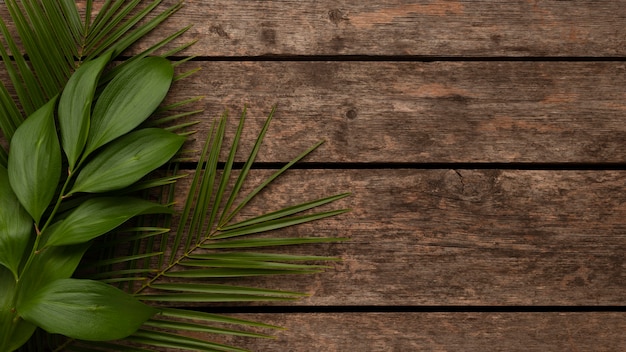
x: 42, y: 292
x: 15, y: 225
x: 127, y: 159
x: 73, y: 276
x: 201, y: 250
x: 134, y: 93
x: 13, y: 333
x: 35, y: 161
x: 97, y: 216
x: 75, y: 107
x: 85, y: 309
x: 52, y: 264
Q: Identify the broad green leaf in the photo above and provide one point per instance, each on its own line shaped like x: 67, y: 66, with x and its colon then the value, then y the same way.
x: 98, y: 216
x: 13, y: 331
x: 85, y: 309
x: 21, y: 333
x: 15, y: 226
x: 127, y: 160
x: 49, y: 265
x: 7, y: 294
x: 131, y: 96
x: 35, y: 161
x: 75, y: 107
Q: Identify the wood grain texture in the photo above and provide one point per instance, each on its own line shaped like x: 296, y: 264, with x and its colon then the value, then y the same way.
x: 536, y: 112
x: 521, y: 28
x: 433, y: 237
x: 403, y: 27
x: 461, y: 237
x: 472, y: 332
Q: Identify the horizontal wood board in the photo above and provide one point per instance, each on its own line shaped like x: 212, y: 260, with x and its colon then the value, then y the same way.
x: 383, y: 332
x: 404, y: 86
x: 411, y: 112
x: 404, y: 28
x: 458, y: 237
x: 435, y: 28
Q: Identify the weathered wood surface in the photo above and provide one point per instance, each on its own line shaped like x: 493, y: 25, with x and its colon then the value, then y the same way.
x: 404, y: 27
x: 438, y: 237
x: 461, y: 237
x: 525, y: 28
x: 532, y: 112
x: 384, y: 332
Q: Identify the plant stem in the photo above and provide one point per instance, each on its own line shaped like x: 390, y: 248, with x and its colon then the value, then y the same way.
x: 170, y: 266
x: 9, y: 326
x: 35, y: 249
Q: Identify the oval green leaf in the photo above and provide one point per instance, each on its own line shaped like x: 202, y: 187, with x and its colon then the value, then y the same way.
x: 75, y: 107
x: 35, y: 161
x: 49, y: 265
x: 86, y: 310
x: 131, y: 96
x: 21, y: 330
x: 15, y: 226
x: 98, y: 216
x: 128, y: 159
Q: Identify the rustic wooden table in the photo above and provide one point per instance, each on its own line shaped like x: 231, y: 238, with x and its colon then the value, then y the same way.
x: 485, y: 145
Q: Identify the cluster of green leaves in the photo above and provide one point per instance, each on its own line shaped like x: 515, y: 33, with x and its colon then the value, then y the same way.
x: 57, y: 40
x: 177, y: 267
x: 80, y: 148
x: 102, y: 156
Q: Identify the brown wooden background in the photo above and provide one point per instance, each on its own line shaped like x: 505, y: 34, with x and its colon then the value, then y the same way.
x: 484, y: 142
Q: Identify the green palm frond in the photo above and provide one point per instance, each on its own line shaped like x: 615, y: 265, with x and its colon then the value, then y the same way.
x: 207, y: 245
x: 207, y: 218
x: 56, y: 39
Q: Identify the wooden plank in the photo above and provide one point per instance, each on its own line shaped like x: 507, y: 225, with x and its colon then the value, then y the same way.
x: 478, y: 332
x: 537, y: 112
x: 461, y: 237
x: 235, y: 28
x: 403, y: 27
